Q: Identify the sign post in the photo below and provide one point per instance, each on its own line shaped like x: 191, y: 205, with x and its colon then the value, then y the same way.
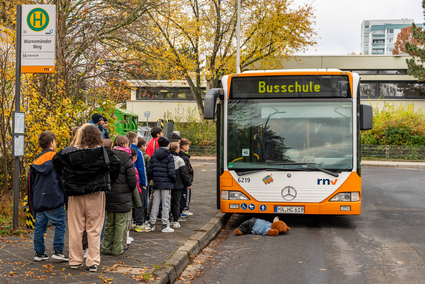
x: 17, y: 109
x: 147, y: 114
x: 35, y: 53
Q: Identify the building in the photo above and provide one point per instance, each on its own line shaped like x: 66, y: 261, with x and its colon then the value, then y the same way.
x: 156, y: 97
x: 383, y: 79
x: 378, y: 36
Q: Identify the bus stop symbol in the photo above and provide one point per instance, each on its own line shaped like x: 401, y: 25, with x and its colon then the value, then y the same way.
x: 38, y: 19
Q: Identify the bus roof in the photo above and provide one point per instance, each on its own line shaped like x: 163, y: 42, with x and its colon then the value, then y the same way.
x: 293, y: 70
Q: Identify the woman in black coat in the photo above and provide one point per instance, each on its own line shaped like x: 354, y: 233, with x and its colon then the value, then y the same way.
x: 88, y: 170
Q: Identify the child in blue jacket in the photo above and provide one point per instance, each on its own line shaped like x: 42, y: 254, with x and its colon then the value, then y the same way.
x: 47, y: 199
x: 162, y: 172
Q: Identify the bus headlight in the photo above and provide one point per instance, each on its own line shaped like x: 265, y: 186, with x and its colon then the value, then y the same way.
x: 346, y: 196
x: 233, y: 195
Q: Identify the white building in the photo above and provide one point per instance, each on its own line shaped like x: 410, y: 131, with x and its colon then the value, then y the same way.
x: 378, y: 36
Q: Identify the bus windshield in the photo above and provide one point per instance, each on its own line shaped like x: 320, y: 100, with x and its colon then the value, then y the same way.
x: 290, y: 134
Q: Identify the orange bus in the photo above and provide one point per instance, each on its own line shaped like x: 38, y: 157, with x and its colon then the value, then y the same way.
x: 288, y: 141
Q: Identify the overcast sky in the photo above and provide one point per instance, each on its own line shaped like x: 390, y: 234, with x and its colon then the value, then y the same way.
x: 338, y: 21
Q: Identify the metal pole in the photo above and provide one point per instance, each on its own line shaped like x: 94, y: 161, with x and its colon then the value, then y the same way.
x: 17, y: 109
x: 238, y: 39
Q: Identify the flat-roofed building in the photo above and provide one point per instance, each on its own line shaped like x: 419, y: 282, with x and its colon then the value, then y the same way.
x: 383, y: 79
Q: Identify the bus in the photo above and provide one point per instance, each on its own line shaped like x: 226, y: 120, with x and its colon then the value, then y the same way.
x: 288, y: 141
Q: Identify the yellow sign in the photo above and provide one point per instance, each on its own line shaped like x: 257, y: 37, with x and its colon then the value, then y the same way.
x: 311, y: 87
x: 38, y: 19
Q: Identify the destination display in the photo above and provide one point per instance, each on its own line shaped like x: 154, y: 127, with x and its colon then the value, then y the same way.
x: 315, y: 86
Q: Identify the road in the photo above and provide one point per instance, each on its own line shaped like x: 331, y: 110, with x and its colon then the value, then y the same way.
x: 385, y: 244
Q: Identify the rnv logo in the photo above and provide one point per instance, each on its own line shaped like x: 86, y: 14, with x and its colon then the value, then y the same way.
x: 326, y: 181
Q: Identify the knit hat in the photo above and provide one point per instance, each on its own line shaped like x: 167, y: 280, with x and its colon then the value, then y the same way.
x: 163, y: 141
x: 96, y: 118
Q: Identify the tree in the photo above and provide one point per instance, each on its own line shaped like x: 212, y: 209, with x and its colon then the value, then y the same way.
x: 196, y: 39
x: 403, y: 37
x: 415, y: 65
x: 89, y: 72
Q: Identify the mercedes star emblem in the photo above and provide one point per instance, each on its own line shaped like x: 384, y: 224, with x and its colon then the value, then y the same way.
x: 289, y: 193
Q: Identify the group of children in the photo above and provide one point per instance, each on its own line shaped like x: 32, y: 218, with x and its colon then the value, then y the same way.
x: 155, y: 179
x: 164, y: 180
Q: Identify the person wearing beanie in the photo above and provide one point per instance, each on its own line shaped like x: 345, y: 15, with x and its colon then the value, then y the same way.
x: 97, y: 120
x: 162, y: 172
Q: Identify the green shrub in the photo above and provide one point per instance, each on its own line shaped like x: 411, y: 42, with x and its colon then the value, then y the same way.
x: 396, y: 124
x: 191, y: 126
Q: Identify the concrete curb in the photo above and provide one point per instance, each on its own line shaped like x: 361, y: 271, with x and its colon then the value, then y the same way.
x: 177, y: 263
x: 392, y: 164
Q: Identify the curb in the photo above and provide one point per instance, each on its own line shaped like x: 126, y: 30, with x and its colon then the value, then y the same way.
x: 387, y: 164
x: 178, y: 261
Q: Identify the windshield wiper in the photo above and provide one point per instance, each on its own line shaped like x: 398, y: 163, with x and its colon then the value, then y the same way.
x: 312, y: 165
x: 258, y: 170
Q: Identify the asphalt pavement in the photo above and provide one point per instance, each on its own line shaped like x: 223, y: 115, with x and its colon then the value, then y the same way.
x: 155, y: 257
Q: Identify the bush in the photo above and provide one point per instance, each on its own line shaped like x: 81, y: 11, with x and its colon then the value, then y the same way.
x: 199, y: 131
x: 396, y: 124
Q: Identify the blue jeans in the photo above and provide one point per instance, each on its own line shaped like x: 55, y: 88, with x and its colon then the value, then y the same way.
x: 57, y: 218
x: 103, y: 229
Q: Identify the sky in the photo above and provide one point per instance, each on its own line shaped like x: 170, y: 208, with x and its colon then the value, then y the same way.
x: 338, y: 21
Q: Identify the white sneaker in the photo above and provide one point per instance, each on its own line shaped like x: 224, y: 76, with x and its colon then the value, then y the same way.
x: 130, y: 239
x: 146, y: 227
x: 187, y: 212
x: 176, y: 225
x: 150, y: 229
x: 167, y: 230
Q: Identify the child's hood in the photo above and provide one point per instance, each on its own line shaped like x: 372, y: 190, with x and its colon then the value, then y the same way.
x: 122, y: 155
x: 162, y: 153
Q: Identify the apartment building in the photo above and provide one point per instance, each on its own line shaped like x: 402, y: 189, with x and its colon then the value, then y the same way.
x: 378, y: 36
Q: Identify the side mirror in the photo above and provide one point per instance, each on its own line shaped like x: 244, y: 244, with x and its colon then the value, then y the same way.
x: 366, y: 117
x: 210, y: 102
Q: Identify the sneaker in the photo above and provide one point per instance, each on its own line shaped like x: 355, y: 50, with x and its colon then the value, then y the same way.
x: 182, y: 219
x: 60, y: 256
x: 130, y: 239
x: 183, y: 215
x: 176, y: 225
x: 76, y: 266
x: 187, y: 212
x: 167, y: 230
x: 140, y: 228
x: 93, y: 268
x: 85, y: 252
x: 40, y: 256
x: 146, y: 227
x: 151, y: 228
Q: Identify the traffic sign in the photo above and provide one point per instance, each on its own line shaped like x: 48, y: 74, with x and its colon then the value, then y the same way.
x: 38, y: 38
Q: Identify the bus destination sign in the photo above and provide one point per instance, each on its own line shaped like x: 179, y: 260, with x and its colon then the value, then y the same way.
x: 314, y: 86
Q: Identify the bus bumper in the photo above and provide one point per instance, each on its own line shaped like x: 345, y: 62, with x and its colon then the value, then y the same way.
x: 324, y: 208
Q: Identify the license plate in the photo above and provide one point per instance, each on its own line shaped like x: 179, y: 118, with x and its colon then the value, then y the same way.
x: 289, y: 209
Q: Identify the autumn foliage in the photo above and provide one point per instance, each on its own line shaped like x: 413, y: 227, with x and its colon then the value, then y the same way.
x: 403, y: 37
x: 415, y: 65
